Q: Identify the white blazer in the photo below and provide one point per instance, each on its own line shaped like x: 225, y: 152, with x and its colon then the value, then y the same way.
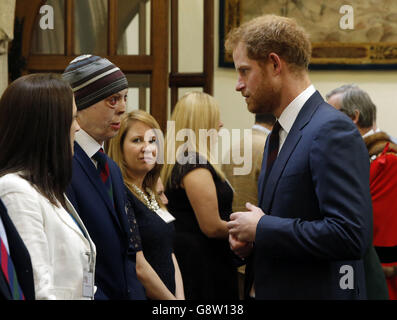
x: 60, y: 247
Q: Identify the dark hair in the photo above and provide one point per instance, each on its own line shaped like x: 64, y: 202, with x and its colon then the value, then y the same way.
x: 36, y: 114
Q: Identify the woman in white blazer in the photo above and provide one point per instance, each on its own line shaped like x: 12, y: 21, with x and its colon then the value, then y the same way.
x: 37, y: 127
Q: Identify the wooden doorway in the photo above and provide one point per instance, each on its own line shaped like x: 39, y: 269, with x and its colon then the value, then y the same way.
x: 146, y: 68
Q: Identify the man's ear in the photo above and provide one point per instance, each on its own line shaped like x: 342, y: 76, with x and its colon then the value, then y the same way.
x: 275, y: 61
x: 356, y: 116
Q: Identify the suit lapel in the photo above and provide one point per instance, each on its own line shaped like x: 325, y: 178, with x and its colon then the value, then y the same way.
x: 92, y: 174
x: 4, y: 287
x: 119, y: 201
x: 63, y: 215
x: 261, y: 178
x: 268, y: 187
x: 77, y: 225
x: 81, y: 226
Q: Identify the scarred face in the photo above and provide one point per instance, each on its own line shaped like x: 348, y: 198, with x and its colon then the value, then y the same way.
x: 102, y: 120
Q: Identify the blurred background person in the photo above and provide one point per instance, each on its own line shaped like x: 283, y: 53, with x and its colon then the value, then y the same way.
x: 334, y: 98
x: 35, y: 169
x: 201, y: 199
x: 383, y: 185
x: 246, y: 185
x: 160, y: 192
x: 357, y: 104
x: 135, y: 149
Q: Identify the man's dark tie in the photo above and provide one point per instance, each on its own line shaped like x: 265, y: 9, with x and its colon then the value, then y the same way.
x: 274, y: 143
x: 103, y: 169
x: 9, y: 272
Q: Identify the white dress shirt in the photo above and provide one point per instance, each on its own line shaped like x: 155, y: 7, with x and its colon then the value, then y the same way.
x: 88, y: 144
x: 288, y: 117
x: 370, y: 132
x: 261, y: 128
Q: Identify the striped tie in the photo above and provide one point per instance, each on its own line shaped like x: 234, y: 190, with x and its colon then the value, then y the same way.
x: 9, y: 273
x: 274, y: 142
x: 103, y: 169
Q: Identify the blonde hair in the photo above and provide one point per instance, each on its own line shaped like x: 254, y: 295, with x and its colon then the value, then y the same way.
x: 115, y: 151
x: 194, y: 111
x: 271, y: 33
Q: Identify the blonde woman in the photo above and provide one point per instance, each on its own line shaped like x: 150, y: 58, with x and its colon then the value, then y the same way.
x: 135, y: 149
x: 200, y: 199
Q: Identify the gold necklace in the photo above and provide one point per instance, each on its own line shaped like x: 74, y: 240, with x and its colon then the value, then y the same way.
x: 151, y: 203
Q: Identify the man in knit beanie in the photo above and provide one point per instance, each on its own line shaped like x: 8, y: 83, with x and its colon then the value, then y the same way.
x: 97, y: 189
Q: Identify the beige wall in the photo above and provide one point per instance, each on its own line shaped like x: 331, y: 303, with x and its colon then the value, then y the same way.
x: 381, y: 85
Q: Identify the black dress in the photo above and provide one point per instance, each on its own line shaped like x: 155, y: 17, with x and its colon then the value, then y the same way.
x: 207, y: 264
x: 156, y: 239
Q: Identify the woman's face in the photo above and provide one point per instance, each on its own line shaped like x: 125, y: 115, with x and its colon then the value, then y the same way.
x: 220, y: 126
x: 74, y: 127
x: 139, y: 149
x: 160, y: 192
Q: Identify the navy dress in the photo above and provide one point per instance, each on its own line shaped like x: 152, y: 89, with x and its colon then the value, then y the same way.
x: 155, y: 237
x: 207, y: 264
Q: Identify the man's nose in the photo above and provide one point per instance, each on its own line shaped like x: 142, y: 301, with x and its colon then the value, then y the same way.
x: 122, y: 106
x: 240, y: 85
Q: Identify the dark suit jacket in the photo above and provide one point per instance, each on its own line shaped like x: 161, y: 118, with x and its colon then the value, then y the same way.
x: 21, y: 259
x: 318, y: 210
x: 107, y: 224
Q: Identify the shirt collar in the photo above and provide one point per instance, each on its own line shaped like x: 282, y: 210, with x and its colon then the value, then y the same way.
x: 260, y: 128
x: 87, y: 143
x: 290, y: 113
x: 370, y: 132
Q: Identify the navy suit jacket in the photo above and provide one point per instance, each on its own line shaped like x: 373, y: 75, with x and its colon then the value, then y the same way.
x: 20, y: 258
x: 108, y: 226
x: 317, y: 202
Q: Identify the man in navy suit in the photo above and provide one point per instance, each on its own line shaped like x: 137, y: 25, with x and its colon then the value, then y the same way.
x: 313, y: 223
x: 97, y: 187
x: 15, y: 248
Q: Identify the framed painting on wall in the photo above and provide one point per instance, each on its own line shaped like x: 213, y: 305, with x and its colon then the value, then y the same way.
x: 359, y: 34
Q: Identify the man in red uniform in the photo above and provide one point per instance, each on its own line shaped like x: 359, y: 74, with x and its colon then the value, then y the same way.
x: 357, y: 104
